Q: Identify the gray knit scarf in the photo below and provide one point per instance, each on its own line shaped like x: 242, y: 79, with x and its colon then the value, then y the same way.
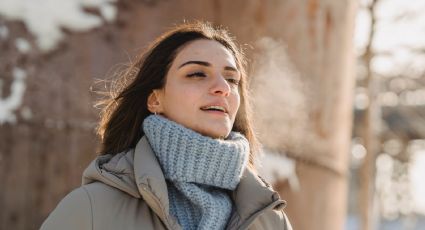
x: 198, y: 170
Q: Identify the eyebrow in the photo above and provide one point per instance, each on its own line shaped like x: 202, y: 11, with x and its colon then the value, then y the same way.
x: 196, y: 63
x: 203, y: 63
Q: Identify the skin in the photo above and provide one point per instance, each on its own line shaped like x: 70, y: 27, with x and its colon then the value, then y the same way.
x: 204, y: 73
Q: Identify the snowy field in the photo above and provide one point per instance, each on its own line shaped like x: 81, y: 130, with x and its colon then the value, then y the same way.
x: 398, y: 224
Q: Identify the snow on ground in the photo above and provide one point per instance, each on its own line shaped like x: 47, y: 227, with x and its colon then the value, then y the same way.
x: 22, y: 45
x: 45, y: 18
x: 407, y: 223
x: 14, y: 100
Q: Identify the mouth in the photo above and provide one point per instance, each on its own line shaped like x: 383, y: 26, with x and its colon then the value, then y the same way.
x: 216, y: 108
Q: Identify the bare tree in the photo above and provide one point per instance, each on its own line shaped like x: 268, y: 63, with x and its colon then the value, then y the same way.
x: 371, y: 130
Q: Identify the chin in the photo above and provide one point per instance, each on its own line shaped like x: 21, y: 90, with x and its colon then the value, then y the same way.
x: 214, y: 130
x: 222, y: 134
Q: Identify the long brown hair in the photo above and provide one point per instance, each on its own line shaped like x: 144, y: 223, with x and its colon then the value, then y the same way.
x: 124, y: 111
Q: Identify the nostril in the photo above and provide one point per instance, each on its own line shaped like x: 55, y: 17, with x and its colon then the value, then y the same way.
x: 221, y: 92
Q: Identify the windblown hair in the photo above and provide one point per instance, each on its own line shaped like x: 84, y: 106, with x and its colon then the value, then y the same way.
x: 125, y: 108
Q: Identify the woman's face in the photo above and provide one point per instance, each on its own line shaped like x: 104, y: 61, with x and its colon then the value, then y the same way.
x: 201, y: 90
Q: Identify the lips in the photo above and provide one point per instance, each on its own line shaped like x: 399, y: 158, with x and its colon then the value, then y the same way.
x: 215, y: 107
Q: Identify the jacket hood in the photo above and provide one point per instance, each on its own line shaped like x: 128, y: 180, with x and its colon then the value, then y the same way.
x: 135, y: 172
x: 114, y: 170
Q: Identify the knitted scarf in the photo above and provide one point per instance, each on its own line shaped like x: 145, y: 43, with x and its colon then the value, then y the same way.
x: 199, y: 171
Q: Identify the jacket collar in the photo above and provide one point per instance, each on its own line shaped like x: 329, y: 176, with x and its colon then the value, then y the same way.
x: 148, y: 172
x: 251, y: 196
x: 151, y: 183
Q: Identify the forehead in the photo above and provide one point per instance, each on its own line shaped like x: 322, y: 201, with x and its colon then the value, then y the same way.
x: 205, y: 50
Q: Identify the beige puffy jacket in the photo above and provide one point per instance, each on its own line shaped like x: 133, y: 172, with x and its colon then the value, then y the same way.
x: 128, y: 191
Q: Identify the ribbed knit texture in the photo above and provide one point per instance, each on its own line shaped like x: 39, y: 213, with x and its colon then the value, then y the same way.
x: 198, y: 170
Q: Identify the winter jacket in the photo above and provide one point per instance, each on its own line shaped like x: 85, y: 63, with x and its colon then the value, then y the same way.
x: 128, y: 191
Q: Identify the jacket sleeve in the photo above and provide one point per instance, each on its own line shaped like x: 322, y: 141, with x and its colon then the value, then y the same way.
x: 73, y: 212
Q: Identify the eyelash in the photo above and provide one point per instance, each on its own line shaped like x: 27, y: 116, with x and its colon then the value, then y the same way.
x: 202, y: 74
x: 233, y: 81
x: 197, y: 74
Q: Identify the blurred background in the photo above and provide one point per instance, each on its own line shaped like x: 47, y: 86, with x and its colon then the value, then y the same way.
x: 338, y: 90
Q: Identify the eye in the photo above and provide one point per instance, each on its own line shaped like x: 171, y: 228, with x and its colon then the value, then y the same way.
x: 197, y: 74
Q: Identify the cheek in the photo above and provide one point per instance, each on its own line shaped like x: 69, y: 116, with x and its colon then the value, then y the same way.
x: 181, y: 98
x: 236, y: 100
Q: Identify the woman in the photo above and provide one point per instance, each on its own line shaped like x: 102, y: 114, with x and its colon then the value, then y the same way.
x: 177, y: 145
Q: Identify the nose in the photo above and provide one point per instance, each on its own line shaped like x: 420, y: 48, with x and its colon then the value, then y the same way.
x: 220, y: 86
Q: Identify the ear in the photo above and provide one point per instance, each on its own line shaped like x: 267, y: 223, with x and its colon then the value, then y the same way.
x: 154, y: 102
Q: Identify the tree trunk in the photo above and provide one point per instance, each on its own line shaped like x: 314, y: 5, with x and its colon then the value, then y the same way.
x: 319, y: 38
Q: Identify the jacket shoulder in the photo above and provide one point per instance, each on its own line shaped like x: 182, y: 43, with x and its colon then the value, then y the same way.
x: 113, y: 208
x: 74, y: 211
